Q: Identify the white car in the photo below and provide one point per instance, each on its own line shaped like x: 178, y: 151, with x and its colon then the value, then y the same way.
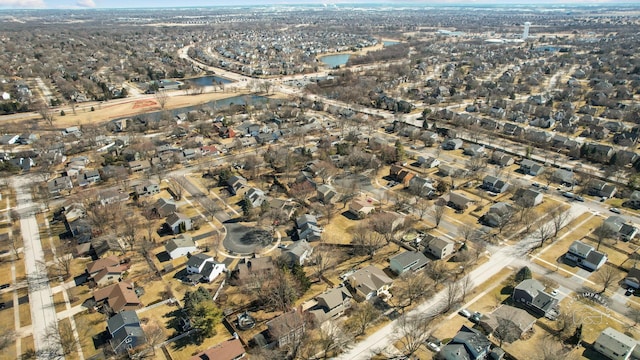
x: 464, y: 312
x: 554, y: 292
x: 615, y: 210
x: 433, y: 347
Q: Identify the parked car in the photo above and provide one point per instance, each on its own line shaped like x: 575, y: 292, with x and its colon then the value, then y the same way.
x: 578, y: 198
x: 433, y: 347
x: 464, y: 312
x: 554, y: 292
x: 630, y: 291
x: 476, y: 317
x: 4, y: 286
x: 615, y: 210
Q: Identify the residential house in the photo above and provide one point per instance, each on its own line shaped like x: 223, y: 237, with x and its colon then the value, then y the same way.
x: 519, y: 321
x: 307, y: 228
x: 539, y: 137
x: 501, y: 159
x: 118, y: 297
x: 452, y: 144
x: 236, y: 184
x: 530, y: 167
x: 512, y: 129
x: 494, y: 184
x: 615, y: 345
x: 408, y: 261
x: 111, y: 196
x: 287, y: 328
x: 458, y: 201
x: 245, y: 142
x: 88, y: 177
x: 146, y: 188
x: 126, y: 332
x: 563, y: 176
x: 467, y: 344
x: 498, y: 215
x: 601, y: 188
x: 231, y: 349
x: 528, y: 197
x: 164, y: 207
x: 449, y: 170
x: 405, y: 176
x: 475, y: 150
x: 326, y: 194
x: 597, y: 152
x: 624, y: 230
x: 530, y: 293
x: 421, y: 186
x: 544, y: 123
x: 439, y: 247
x: 105, y: 271
x: 255, y: 197
x: 428, y: 162
x: 205, y: 266
x: 9, y: 139
x: 179, y: 246
x: 585, y: 255
x: 139, y: 166
x: 250, y: 272
x: 361, y: 208
x: 57, y: 185
x: 178, y: 222
x: 370, y: 282
x: 633, y: 278
x: 297, y: 253
x: 331, y: 304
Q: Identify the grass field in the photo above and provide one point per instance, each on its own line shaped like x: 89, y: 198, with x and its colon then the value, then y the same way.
x: 58, y: 301
x: 24, y: 309
x: 89, y: 325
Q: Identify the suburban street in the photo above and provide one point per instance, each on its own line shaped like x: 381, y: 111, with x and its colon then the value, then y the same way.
x: 43, y: 312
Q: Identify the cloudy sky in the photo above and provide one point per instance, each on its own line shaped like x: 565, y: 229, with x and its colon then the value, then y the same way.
x: 57, y: 4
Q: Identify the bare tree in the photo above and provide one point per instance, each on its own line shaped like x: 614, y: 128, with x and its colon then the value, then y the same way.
x: 362, y: 316
x: 559, y: 218
x: 466, y: 232
x: 175, y: 185
x: 323, y: 259
x: 438, y: 213
x: 422, y: 206
x: 506, y: 331
x: 634, y: 314
x: 606, y: 276
x: 465, y: 285
x: 154, y: 334
x: 331, y: 341
x: 551, y: 349
x: 437, y: 271
x: 602, y: 233
x: 452, y: 296
x: 7, y: 337
x: 60, y: 339
x: 45, y: 111
x: 161, y: 98
x: 411, y: 287
x: 384, y: 223
x: 128, y: 224
x: 543, y: 233
x: 412, y: 332
x: 366, y: 241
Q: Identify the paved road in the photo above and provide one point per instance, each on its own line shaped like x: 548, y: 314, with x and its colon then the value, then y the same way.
x: 43, y: 311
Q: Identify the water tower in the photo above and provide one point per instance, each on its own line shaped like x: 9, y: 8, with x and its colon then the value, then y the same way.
x: 525, y: 33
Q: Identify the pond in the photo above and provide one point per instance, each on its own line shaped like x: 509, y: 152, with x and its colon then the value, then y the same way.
x: 390, y: 42
x: 335, y: 60
x: 208, y: 80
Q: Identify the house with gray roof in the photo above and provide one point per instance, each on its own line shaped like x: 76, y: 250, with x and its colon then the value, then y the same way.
x: 519, y: 322
x: 307, y: 228
x: 439, y: 247
x: 57, y: 185
x: 475, y: 150
x: 369, y: 282
x: 563, y: 176
x: 178, y: 222
x: 236, y: 183
x: 585, y: 255
x: 467, y: 344
x: 624, y: 230
x: 498, y: 215
x: 331, y: 304
x: 615, y: 345
x: 326, y: 194
x: 204, y: 265
x: 408, y: 261
x: 179, y: 246
x: 528, y: 197
x: 601, y: 188
x: 530, y: 294
x: 494, y: 184
x: 126, y: 332
x: 164, y: 207
x: 297, y: 253
x: 452, y: 144
x: 530, y: 167
x: 255, y: 196
x: 458, y: 201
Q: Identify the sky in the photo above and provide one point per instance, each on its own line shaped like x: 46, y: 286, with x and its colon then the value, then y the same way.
x: 79, y: 4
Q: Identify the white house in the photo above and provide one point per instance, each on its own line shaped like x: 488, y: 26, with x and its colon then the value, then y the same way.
x: 615, y: 345
x: 180, y: 246
x: 204, y: 265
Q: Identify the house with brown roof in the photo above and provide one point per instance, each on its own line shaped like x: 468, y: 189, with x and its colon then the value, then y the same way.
x: 370, y: 282
x: 105, y: 271
x: 118, y: 297
x: 519, y: 321
x: 361, y: 208
x: 231, y: 349
x: 286, y: 328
